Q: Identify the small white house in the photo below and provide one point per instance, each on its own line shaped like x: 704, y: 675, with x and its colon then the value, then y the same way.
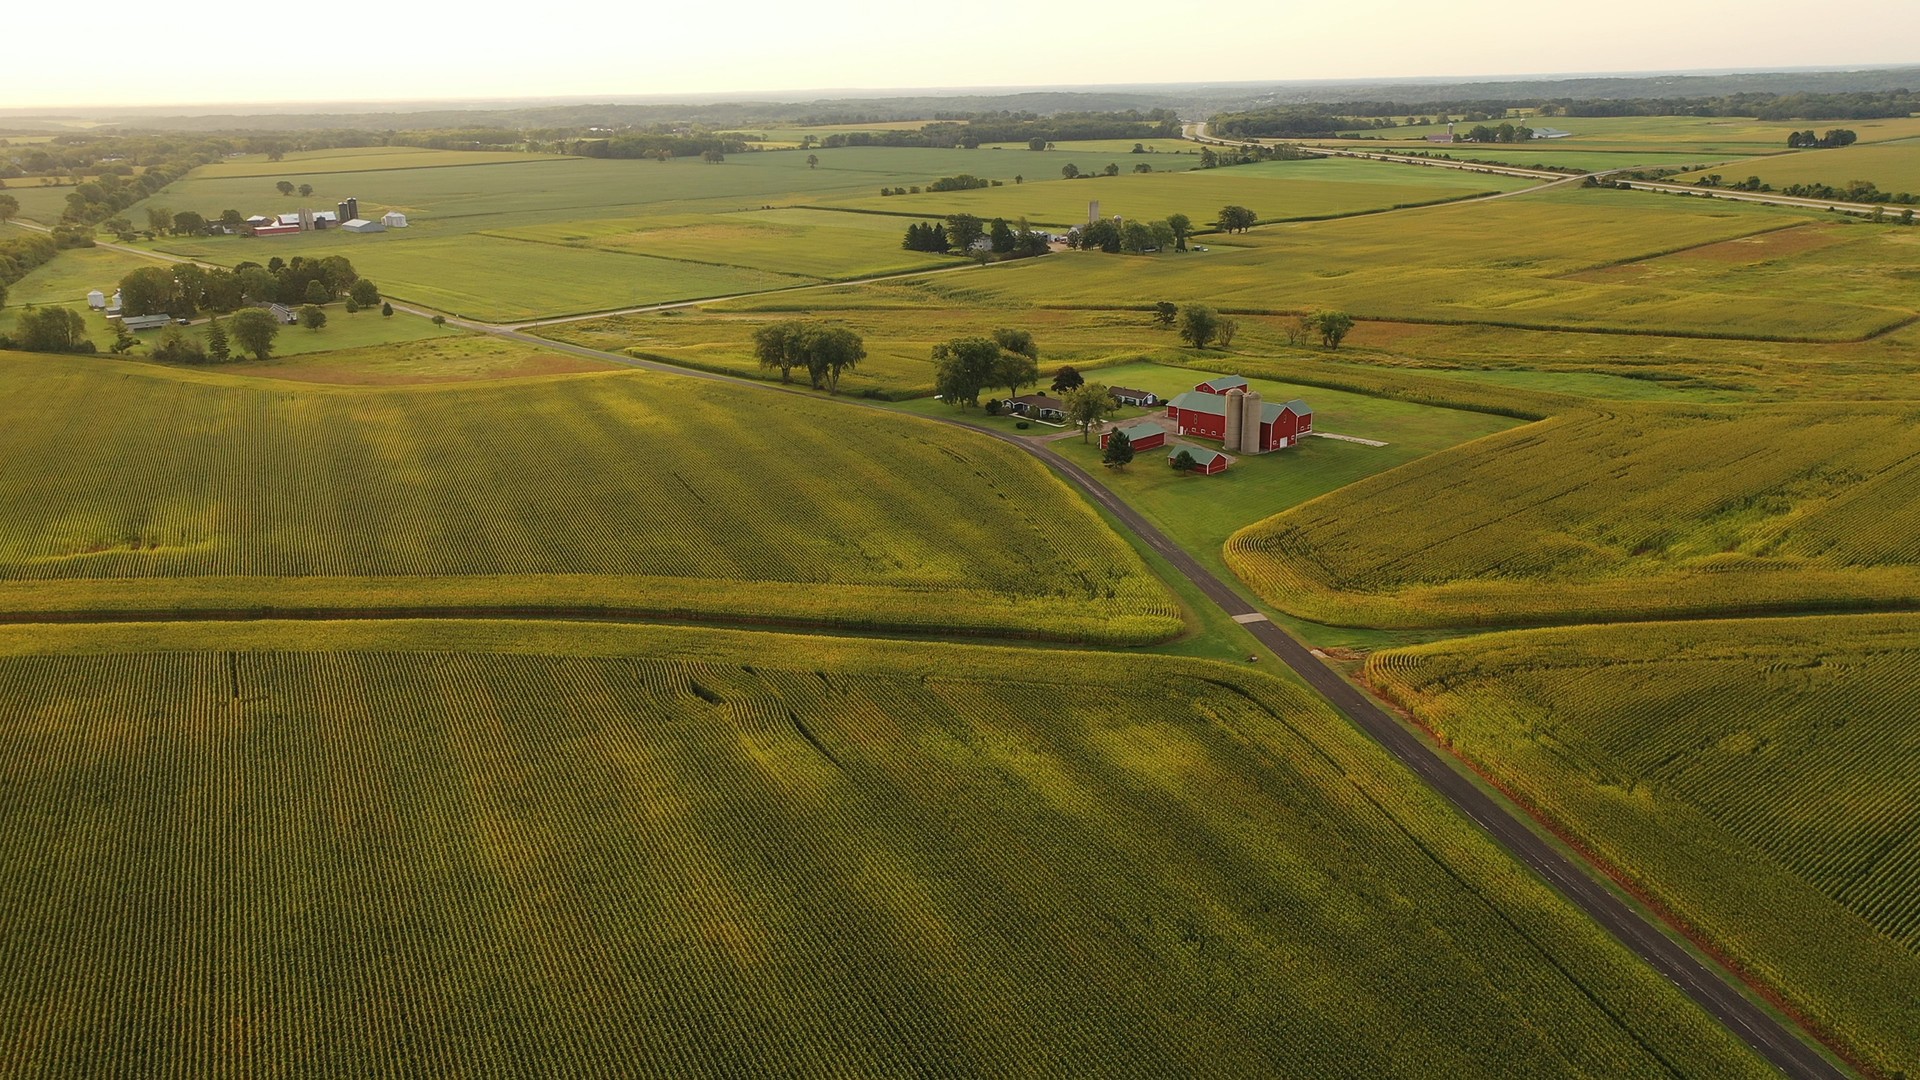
x: 363, y: 225
x: 97, y: 300
x: 394, y: 219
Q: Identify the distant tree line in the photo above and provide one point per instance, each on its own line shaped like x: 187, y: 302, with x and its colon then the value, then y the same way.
x: 658, y: 147
x: 183, y: 290
x: 1062, y: 127
x: 966, y: 234
x: 1807, y: 140
x: 1320, y: 121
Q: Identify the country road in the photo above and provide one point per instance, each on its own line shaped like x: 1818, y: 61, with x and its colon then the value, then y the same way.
x: 1712, y: 988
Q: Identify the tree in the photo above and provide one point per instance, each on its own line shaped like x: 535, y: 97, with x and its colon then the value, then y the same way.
x: 51, y: 329
x: 1198, y: 324
x: 1182, y: 227
x: 1164, y: 312
x: 832, y: 350
x: 312, y: 317
x: 1236, y: 218
x: 1014, y: 370
x: 778, y: 347
x: 188, y: 223
x: 386, y: 310
x: 1224, y: 331
x: 159, y: 218
x: 1183, y: 461
x: 1070, y: 170
x: 258, y: 284
x: 217, y: 347
x: 1135, y: 238
x: 284, y: 187
x: 253, y: 330
x: 1088, y: 405
x: 317, y: 292
x: 232, y: 219
x: 1036, y: 144
x: 9, y: 208
x: 1111, y: 169
x: 364, y: 292
x: 351, y: 306
x: 1332, y: 326
x: 1017, y: 341
x: 963, y: 230
x: 123, y: 339
x: 306, y: 190
x: 963, y: 367
x: 1066, y: 379
x: 1119, y: 450
x: 813, y: 161
x: 177, y: 347
x: 1001, y: 235
x: 713, y: 157
x: 150, y: 290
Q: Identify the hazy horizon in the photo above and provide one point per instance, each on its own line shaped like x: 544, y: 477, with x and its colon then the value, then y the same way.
x: 433, y: 52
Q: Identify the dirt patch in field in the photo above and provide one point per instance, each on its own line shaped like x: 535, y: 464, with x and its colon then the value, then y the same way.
x: 323, y: 369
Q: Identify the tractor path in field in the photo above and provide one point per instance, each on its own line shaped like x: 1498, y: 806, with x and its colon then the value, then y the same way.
x: 1712, y: 988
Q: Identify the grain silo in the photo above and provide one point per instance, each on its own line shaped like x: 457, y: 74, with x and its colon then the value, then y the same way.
x: 1231, y: 438
x: 1249, y: 423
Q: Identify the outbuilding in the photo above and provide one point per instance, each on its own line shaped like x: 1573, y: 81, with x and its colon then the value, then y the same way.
x: 146, y: 322
x: 1127, y: 395
x: 276, y: 229
x: 394, y: 219
x: 1231, y: 418
x: 283, y: 313
x: 363, y: 225
x: 1222, y: 384
x: 1205, y: 462
x: 97, y: 300
x: 1142, y: 434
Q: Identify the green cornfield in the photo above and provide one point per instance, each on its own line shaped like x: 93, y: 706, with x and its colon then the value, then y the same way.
x: 130, y: 486
x: 540, y: 849
x: 1639, y: 512
x: 1760, y: 777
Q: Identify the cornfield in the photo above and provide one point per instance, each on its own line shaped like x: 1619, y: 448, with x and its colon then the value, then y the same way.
x: 1761, y: 777
x: 684, y: 854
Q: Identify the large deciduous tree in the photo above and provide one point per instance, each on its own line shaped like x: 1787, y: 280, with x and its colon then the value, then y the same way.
x: 779, y: 347
x: 253, y: 329
x: 1332, y: 327
x: 1236, y: 219
x: 830, y: 351
x: 1088, y: 405
x: 1198, y: 325
x: 9, y: 208
x: 51, y: 329
x: 965, y: 366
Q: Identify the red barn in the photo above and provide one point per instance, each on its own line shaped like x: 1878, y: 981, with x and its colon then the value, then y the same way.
x: 1205, y: 462
x: 1143, y: 436
x: 1205, y: 416
x: 1222, y: 384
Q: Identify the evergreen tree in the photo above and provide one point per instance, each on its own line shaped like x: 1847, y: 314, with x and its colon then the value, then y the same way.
x: 1119, y: 449
x: 217, y: 348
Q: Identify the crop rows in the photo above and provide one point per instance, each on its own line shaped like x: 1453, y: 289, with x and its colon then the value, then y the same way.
x: 1601, y: 516
x: 400, y: 863
x: 688, y: 495
x: 1761, y: 777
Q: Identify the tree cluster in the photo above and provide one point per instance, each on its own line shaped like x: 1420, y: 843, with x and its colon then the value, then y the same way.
x: 49, y: 329
x: 821, y: 350
x: 1807, y: 140
x: 1505, y: 133
x: 1235, y: 219
x: 963, y: 367
x: 963, y: 182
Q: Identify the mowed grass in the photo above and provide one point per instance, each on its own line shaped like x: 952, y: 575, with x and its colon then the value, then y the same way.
x: 1892, y: 167
x: 1277, y: 191
x: 541, y: 848
x: 1510, y: 263
x: 1757, y: 777
x: 1641, y: 511
x: 621, y: 491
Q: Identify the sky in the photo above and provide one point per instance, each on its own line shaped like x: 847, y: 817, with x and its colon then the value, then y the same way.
x: 230, y: 51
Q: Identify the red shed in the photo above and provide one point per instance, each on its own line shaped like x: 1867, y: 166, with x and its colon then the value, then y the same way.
x: 1143, y: 436
x: 1205, y: 462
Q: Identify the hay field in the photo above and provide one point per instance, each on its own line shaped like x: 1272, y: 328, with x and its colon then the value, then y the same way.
x: 1757, y: 776
x: 1640, y: 511
x: 544, y: 848
x: 1893, y: 167
x: 613, y: 491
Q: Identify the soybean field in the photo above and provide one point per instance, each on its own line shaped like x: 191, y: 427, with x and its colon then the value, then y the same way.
x: 1760, y: 778
x: 409, y: 850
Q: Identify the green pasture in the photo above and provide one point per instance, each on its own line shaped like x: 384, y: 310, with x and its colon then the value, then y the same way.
x: 1279, y: 190
x: 627, y: 851
x: 299, y: 164
x: 1510, y: 262
x: 816, y: 244
x: 1757, y: 777
x: 43, y: 204
x: 1892, y: 167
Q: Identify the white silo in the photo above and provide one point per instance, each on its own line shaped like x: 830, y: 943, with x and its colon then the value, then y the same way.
x: 1250, y: 422
x: 1232, y: 439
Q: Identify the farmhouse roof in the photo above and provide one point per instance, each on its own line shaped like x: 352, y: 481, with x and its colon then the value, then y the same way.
x: 1128, y: 391
x: 1216, y: 405
x: 1038, y: 401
